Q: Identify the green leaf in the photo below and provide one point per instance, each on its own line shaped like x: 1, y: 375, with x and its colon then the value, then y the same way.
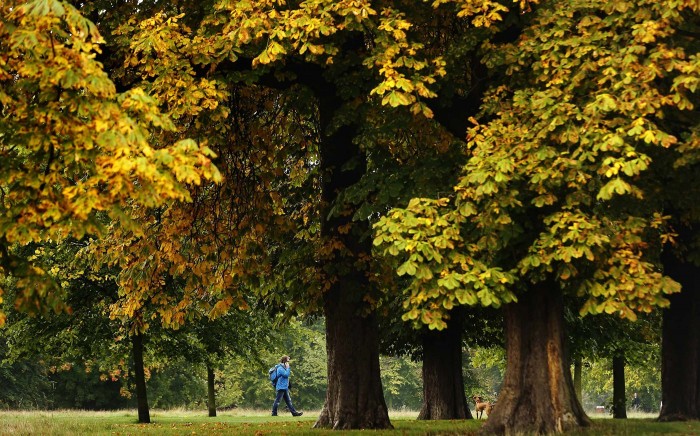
x: 407, y: 267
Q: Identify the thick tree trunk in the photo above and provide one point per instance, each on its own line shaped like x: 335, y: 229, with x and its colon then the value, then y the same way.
x: 211, y: 395
x: 354, y: 397
x: 619, y: 396
x: 140, y: 379
x: 538, y: 393
x: 578, y: 369
x: 680, y: 349
x: 443, y: 383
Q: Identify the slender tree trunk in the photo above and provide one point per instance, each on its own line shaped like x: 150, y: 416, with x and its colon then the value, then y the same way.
x: 578, y: 369
x: 211, y: 395
x: 140, y: 379
x: 619, y: 396
x: 538, y: 393
x: 354, y: 397
x: 443, y: 383
x: 680, y: 349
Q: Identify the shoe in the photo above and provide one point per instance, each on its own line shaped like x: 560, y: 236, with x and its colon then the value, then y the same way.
x: 274, y: 414
x: 297, y: 413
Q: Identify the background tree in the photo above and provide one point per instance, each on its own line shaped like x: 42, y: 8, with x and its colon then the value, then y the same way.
x: 446, y: 369
x: 401, y: 378
x: 90, y: 339
x: 237, y: 333
x: 642, y: 376
x: 25, y: 383
x: 620, y: 341
x: 487, y: 365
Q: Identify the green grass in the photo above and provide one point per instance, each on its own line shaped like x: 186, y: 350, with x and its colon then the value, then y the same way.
x: 250, y: 422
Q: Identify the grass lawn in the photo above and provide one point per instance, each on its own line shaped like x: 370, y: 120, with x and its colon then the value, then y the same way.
x: 248, y: 422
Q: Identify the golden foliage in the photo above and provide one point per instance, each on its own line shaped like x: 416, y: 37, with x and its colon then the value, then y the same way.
x: 71, y: 147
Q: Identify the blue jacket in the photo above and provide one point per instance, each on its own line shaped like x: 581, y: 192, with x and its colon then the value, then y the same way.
x: 282, y: 377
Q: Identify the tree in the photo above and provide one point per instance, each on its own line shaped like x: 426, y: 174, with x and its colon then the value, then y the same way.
x: 642, y: 376
x: 79, y: 353
x: 442, y: 354
x: 401, y: 378
x: 488, y: 365
x: 620, y: 341
x: 446, y: 371
x: 679, y: 257
x: 680, y: 344
x: 443, y: 383
x: 71, y: 146
x: 88, y: 338
x: 550, y: 202
x: 619, y: 396
x: 23, y: 380
x: 214, y: 343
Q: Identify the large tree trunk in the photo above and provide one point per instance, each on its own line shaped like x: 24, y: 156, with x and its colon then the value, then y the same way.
x: 619, y: 398
x: 211, y: 395
x: 680, y: 350
x: 140, y: 379
x: 354, y: 397
x: 443, y: 383
x: 538, y: 393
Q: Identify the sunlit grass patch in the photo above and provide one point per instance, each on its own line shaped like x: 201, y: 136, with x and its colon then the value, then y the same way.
x: 630, y: 415
x: 403, y: 414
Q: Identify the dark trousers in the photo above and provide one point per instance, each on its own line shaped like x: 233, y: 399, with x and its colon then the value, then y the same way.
x: 283, y: 393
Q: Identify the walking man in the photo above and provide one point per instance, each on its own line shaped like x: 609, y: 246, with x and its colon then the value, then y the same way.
x: 282, y: 387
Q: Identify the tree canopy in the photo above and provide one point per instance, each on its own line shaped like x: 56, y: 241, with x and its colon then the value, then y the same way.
x: 558, y: 185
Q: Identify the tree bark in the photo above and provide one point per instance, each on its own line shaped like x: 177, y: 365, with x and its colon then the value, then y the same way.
x: 443, y: 382
x: 354, y: 397
x: 619, y: 396
x: 140, y: 379
x: 538, y: 393
x: 211, y: 396
x: 680, y: 345
x: 578, y: 370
